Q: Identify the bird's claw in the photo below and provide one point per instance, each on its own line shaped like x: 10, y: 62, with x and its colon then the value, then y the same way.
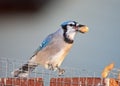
x: 61, y: 72
x: 50, y: 67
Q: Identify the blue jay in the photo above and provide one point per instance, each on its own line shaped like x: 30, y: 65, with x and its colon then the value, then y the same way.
x: 53, y: 50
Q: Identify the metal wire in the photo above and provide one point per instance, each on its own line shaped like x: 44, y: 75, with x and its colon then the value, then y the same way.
x: 41, y: 76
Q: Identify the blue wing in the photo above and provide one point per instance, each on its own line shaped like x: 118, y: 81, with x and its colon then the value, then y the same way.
x: 44, y: 43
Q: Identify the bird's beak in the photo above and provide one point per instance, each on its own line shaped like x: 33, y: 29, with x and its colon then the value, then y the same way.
x: 82, y: 28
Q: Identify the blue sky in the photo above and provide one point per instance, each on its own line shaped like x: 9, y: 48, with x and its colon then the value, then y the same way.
x: 22, y: 33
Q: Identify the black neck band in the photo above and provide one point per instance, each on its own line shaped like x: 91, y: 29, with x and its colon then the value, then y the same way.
x: 67, y: 39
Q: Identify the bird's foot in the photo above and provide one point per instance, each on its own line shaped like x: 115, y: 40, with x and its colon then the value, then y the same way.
x: 50, y: 67
x: 60, y: 71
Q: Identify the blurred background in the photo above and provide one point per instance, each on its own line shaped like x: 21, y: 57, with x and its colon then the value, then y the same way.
x: 25, y: 23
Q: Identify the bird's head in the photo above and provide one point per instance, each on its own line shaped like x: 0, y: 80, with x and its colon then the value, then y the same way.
x: 71, y: 28
x: 74, y: 26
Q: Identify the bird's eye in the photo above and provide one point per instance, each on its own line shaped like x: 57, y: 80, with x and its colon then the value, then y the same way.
x: 71, y: 25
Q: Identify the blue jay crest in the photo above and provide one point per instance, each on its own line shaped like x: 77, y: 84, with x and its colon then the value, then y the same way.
x: 53, y: 50
x: 68, y: 22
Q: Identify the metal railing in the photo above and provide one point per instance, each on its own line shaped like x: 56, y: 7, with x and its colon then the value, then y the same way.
x: 41, y: 76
